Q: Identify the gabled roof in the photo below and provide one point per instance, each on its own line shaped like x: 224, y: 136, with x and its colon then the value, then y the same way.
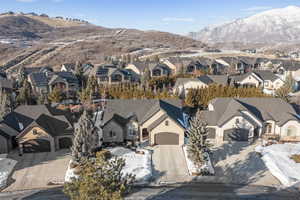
x: 51, y: 119
x: 218, y: 79
x: 141, y: 109
x: 262, y: 109
x: 7, y: 131
x: 39, y: 79
x: 266, y: 75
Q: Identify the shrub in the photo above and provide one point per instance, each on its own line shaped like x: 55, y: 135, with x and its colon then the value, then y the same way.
x: 296, y: 158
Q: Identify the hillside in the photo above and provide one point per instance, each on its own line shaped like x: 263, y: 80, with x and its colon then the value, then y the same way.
x: 269, y: 27
x: 48, y: 45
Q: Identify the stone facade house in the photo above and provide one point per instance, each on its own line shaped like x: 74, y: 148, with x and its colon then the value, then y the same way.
x: 158, y: 122
x: 244, y: 119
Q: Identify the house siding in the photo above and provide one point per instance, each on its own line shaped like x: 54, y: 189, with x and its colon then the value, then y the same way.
x: 171, y: 128
x: 115, y: 127
x: 29, y: 135
x: 3, y: 145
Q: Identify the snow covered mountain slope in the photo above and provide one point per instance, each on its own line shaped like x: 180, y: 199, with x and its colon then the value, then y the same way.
x: 273, y: 26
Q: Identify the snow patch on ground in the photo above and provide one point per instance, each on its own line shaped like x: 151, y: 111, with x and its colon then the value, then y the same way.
x: 70, y: 173
x: 277, y: 159
x: 137, y: 164
x: 6, y: 168
x: 193, y: 169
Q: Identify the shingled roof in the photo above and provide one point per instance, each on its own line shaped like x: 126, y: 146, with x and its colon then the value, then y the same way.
x: 262, y: 108
x: 142, y: 109
x: 54, y: 121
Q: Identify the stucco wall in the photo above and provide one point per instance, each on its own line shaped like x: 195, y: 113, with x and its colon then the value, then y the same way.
x: 41, y: 134
x: 183, y: 89
x: 284, y: 128
x: 251, y: 80
x: 171, y: 128
x: 115, y: 127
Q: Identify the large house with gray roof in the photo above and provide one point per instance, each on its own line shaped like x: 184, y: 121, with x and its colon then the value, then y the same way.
x: 37, y: 128
x: 243, y: 119
x: 159, y: 122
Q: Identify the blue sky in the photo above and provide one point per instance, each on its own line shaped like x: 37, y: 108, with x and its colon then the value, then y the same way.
x: 177, y: 16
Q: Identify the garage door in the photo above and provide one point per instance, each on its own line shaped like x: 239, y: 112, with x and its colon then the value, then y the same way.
x: 65, y: 143
x: 241, y: 135
x: 167, y: 139
x: 35, y: 146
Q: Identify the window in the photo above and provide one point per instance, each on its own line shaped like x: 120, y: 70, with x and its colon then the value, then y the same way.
x: 34, y: 131
x: 167, y: 123
x: 268, y: 128
x: 291, y: 131
x: 116, y: 78
x: 112, y: 134
x: 266, y: 84
x: 131, y: 130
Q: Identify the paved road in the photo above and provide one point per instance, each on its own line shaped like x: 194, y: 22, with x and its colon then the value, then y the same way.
x: 175, y: 192
x: 169, y: 164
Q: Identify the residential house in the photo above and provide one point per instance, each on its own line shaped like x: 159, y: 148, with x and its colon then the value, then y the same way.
x: 111, y: 74
x: 182, y: 85
x: 178, y: 64
x: 245, y: 119
x: 45, y: 82
x: 160, y: 70
x: 292, y: 69
x: 65, y: 81
x: 266, y: 80
x: 38, y: 82
x: 37, y: 128
x: 159, y: 122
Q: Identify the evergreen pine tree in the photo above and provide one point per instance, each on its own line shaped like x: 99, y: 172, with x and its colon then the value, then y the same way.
x: 86, y: 138
x: 197, y: 134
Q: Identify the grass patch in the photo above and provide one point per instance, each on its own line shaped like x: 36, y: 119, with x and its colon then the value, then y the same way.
x: 296, y: 158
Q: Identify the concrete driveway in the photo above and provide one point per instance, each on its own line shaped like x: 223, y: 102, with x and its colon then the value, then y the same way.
x: 169, y: 164
x: 35, y: 170
x: 238, y: 163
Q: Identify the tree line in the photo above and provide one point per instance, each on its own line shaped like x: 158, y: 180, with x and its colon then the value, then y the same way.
x: 200, y: 97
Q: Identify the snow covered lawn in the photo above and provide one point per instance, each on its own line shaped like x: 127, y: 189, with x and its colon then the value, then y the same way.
x: 6, y: 168
x: 277, y: 158
x: 137, y: 164
x: 192, y: 167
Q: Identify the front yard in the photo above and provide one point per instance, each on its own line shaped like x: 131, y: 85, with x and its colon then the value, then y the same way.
x: 281, y: 161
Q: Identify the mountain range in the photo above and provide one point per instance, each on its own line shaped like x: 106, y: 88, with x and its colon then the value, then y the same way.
x: 269, y: 27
